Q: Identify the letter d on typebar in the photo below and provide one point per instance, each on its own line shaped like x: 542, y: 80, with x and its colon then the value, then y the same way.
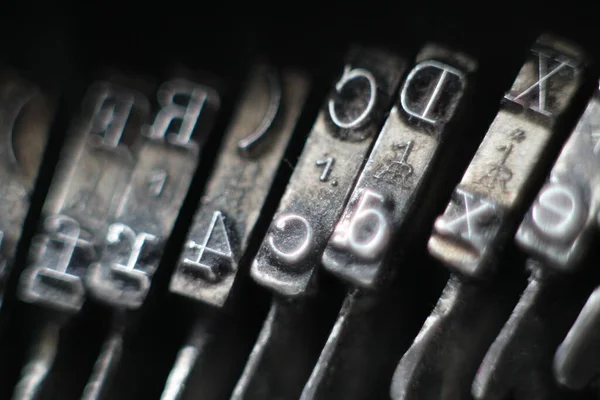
x: 167, y: 159
x: 487, y: 203
x: 392, y: 182
x: 85, y: 193
x: 332, y: 158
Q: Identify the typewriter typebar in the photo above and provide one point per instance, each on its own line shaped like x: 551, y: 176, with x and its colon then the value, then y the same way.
x: 481, y: 217
x: 94, y: 168
x: 168, y: 153
x: 290, y: 254
x: 238, y: 188
x: 25, y: 117
x: 575, y: 362
x: 404, y: 207
x: 468, y: 236
x: 427, y: 111
x: 553, y: 296
x: 166, y: 160
x: 392, y: 182
x: 88, y: 187
x: 254, y: 147
x: 332, y: 158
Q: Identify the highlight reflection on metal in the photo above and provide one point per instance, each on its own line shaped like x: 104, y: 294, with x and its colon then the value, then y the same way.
x: 227, y: 216
x: 238, y: 188
x: 468, y: 236
x: 484, y: 210
x: 145, y: 216
x: 311, y: 204
x: 368, y: 236
x: 84, y: 195
x: 25, y: 115
x: 169, y: 150
x: 557, y: 232
x: 314, y: 198
x: 391, y: 186
x: 90, y: 180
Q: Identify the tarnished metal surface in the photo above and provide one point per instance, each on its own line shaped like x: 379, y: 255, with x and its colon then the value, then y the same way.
x: 373, y: 229
x: 25, y: 116
x: 560, y: 225
x: 165, y: 163
x: 240, y: 184
x: 322, y: 180
x: 557, y: 231
x: 471, y: 233
x: 520, y: 359
x: 393, y: 180
x: 85, y: 194
x: 225, y: 222
x: 576, y: 360
x: 444, y: 357
x: 90, y: 181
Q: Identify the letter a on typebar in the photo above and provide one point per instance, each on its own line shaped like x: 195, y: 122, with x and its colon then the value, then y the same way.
x: 253, y: 148
x: 94, y: 168
x: 166, y: 161
x: 25, y: 115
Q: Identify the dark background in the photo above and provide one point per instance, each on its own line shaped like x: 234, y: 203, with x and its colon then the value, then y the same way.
x: 60, y: 47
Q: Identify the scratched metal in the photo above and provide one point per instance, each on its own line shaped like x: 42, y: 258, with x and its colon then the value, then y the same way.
x: 557, y: 232
x: 486, y: 205
x: 252, y: 151
x: 576, y: 360
x: 520, y: 359
x: 559, y: 227
x: 330, y: 162
x: 90, y: 181
x: 392, y: 183
x: 287, y: 348
x: 253, y: 148
x: 444, y: 357
x: 166, y: 161
x: 25, y: 115
x: 85, y: 193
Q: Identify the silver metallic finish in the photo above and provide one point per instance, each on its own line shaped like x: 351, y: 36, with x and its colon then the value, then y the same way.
x: 239, y: 186
x: 176, y: 382
x: 520, y: 359
x: 232, y: 202
x: 468, y: 236
x: 25, y: 115
x: 145, y: 216
x: 344, y: 130
x: 445, y: 356
x: 292, y: 332
x: 557, y: 232
x: 559, y: 227
x: 104, y: 367
x: 392, y: 182
x: 35, y: 371
x: 576, y: 359
x: 84, y: 195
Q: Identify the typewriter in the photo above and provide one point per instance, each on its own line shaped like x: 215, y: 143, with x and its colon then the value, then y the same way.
x: 202, y: 205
